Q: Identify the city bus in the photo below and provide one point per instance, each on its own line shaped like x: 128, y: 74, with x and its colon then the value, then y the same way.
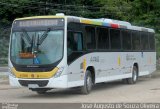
x: 60, y: 51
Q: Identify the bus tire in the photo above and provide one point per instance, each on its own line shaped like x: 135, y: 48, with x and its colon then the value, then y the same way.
x: 134, y: 77
x: 86, y: 89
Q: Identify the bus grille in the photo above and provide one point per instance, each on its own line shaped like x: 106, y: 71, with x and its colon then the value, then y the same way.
x: 41, y: 83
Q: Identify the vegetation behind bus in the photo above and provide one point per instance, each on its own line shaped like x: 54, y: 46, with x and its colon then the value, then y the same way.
x: 143, y: 13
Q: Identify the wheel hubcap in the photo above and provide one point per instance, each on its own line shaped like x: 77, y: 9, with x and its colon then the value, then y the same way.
x: 134, y: 75
x: 89, y: 83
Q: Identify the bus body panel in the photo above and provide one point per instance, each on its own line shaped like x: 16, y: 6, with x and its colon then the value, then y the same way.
x: 60, y: 82
x: 109, y: 69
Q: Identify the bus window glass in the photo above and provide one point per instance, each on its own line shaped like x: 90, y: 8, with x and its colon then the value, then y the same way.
x: 103, y: 38
x: 115, y: 39
x: 151, y: 41
x: 90, y: 37
x: 22, y: 49
x: 126, y: 39
x: 136, y: 40
x: 144, y: 41
x: 74, y: 42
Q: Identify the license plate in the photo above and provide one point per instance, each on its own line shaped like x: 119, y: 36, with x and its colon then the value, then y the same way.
x: 33, y: 85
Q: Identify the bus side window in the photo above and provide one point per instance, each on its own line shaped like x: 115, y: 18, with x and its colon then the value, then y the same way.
x: 103, y: 38
x: 151, y: 41
x: 90, y: 37
x: 126, y: 39
x: 78, y: 41
x: 144, y: 41
x: 74, y: 42
x: 136, y: 40
x: 115, y: 39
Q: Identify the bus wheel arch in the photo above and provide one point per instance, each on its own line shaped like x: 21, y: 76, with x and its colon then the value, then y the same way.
x: 135, y: 74
x: 89, y: 80
x: 92, y: 70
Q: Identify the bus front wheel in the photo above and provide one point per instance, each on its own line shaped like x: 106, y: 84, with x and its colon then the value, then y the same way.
x: 86, y: 89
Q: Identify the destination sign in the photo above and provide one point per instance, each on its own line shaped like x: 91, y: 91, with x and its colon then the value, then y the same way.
x: 39, y: 23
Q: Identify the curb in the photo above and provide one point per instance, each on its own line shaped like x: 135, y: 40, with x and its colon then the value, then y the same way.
x: 3, y: 73
x: 4, y: 81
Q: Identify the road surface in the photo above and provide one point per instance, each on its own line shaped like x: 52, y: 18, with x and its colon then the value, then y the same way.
x: 146, y: 90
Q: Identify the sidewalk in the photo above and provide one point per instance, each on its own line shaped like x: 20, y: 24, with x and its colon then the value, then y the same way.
x: 4, y: 79
x: 4, y: 69
x: 4, y: 75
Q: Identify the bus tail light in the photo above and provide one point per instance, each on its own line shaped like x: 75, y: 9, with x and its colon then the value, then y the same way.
x: 59, y: 72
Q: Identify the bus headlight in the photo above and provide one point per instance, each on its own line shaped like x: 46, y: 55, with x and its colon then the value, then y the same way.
x: 11, y: 73
x: 59, y: 72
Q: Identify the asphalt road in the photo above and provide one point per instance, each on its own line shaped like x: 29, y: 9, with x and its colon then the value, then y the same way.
x: 147, y: 90
x: 3, y: 69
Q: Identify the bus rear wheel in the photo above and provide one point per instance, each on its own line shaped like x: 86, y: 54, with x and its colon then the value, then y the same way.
x: 86, y: 89
x: 134, y: 77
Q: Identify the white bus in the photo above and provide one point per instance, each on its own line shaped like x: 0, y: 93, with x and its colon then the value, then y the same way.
x: 60, y: 51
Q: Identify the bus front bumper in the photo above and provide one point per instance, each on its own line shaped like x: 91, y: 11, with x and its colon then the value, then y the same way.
x: 59, y: 82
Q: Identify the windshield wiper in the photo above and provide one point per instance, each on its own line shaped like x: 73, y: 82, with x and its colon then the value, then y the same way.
x: 26, y: 36
x: 43, y: 37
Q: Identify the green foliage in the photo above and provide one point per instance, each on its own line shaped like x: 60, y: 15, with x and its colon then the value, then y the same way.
x: 139, y: 12
x: 116, y: 9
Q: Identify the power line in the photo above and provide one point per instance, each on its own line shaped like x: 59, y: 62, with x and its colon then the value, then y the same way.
x: 59, y: 8
x: 55, y: 4
x: 15, y: 5
x: 58, y: 5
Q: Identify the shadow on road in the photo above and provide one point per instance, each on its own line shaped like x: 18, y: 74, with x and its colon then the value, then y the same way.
x: 75, y: 92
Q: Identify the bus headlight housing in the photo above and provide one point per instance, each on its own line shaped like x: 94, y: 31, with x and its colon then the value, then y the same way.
x: 59, y: 72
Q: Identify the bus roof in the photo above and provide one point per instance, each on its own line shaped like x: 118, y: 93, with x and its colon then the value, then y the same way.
x: 110, y: 23
x: 101, y: 22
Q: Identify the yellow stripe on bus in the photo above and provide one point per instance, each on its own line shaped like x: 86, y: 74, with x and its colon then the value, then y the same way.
x: 90, y: 22
x: 84, y: 65
x: 86, y: 21
x: 34, y: 75
x: 119, y: 60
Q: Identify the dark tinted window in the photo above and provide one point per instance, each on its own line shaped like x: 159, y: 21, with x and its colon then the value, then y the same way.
x: 74, y: 42
x: 136, y: 40
x: 126, y: 39
x: 90, y: 37
x: 103, y: 38
x: 144, y: 41
x: 72, y: 26
x: 151, y: 41
x: 115, y: 39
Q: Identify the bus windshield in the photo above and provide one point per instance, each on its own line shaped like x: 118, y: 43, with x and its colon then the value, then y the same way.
x: 36, y: 47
